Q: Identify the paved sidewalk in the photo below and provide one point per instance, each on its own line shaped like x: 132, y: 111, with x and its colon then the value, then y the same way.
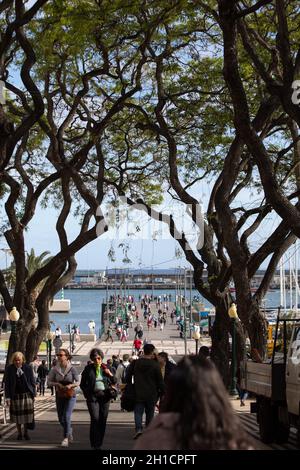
x: 48, y: 432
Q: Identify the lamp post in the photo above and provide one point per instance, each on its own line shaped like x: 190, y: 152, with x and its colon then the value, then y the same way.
x: 232, y: 312
x: 14, y: 317
x: 49, y: 348
x: 196, y: 336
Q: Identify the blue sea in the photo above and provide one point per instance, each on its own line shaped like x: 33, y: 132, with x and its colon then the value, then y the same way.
x: 86, y: 305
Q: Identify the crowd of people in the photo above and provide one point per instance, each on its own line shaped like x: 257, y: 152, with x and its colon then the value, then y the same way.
x: 130, y: 313
x: 186, y: 405
x: 181, y: 406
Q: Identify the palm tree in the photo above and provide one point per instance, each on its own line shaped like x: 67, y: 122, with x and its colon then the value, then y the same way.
x: 33, y: 262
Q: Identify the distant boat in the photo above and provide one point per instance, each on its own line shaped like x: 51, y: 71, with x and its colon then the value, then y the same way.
x: 60, y: 306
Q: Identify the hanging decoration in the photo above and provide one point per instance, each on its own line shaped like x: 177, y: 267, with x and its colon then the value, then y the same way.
x: 111, y: 254
x: 125, y: 248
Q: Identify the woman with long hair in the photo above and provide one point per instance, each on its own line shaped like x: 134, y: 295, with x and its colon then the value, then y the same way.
x: 196, y: 413
x: 20, y: 390
x: 65, y: 379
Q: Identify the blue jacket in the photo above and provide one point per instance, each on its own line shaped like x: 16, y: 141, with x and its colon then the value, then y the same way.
x: 10, y: 380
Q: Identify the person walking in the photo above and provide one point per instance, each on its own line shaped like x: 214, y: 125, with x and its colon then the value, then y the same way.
x: 58, y: 332
x: 20, y: 390
x: 204, y: 352
x: 121, y: 371
x: 95, y: 379
x: 35, y: 365
x: 137, y: 344
x: 196, y: 413
x: 123, y: 334
x: 42, y: 373
x: 166, y: 366
x: 92, y: 326
x: 65, y: 379
x: 242, y: 393
x: 121, y: 374
x: 138, y: 329
x: 54, y: 362
x: 149, y: 386
x: 109, y: 334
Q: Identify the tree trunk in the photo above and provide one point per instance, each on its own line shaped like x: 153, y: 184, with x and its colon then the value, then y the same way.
x: 220, y: 352
x: 30, y: 330
x: 220, y: 344
x: 34, y: 340
x: 257, y: 328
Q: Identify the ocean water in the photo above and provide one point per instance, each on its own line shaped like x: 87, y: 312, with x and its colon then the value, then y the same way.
x: 86, y: 305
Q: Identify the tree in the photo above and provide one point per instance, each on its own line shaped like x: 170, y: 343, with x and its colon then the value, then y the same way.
x: 280, y: 51
x: 84, y: 85
x: 270, y: 61
x: 184, y: 117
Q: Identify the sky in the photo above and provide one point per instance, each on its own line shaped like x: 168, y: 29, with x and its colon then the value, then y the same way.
x: 149, y: 243
x: 144, y: 251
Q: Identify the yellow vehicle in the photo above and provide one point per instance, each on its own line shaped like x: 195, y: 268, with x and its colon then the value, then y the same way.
x: 270, y: 340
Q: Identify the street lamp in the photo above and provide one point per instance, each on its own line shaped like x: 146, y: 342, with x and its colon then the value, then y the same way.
x: 232, y: 312
x: 49, y: 347
x: 196, y: 336
x: 14, y: 317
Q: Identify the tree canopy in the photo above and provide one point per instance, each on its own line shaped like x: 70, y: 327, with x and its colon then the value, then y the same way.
x: 140, y: 99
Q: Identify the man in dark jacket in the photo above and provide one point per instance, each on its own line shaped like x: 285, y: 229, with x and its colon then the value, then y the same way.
x: 149, y: 386
x: 166, y: 366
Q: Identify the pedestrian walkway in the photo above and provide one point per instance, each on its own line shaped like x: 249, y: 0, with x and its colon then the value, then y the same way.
x: 119, y: 431
x: 167, y: 340
x: 48, y: 432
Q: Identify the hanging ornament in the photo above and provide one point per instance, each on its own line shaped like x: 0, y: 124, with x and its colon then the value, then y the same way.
x: 111, y: 254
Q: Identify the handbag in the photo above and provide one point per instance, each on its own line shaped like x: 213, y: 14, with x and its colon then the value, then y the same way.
x: 128, y: 397
x: 65, y: 393
x: 110, y: 393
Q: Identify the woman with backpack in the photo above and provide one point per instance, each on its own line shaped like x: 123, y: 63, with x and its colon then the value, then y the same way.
x: 121, y: 372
